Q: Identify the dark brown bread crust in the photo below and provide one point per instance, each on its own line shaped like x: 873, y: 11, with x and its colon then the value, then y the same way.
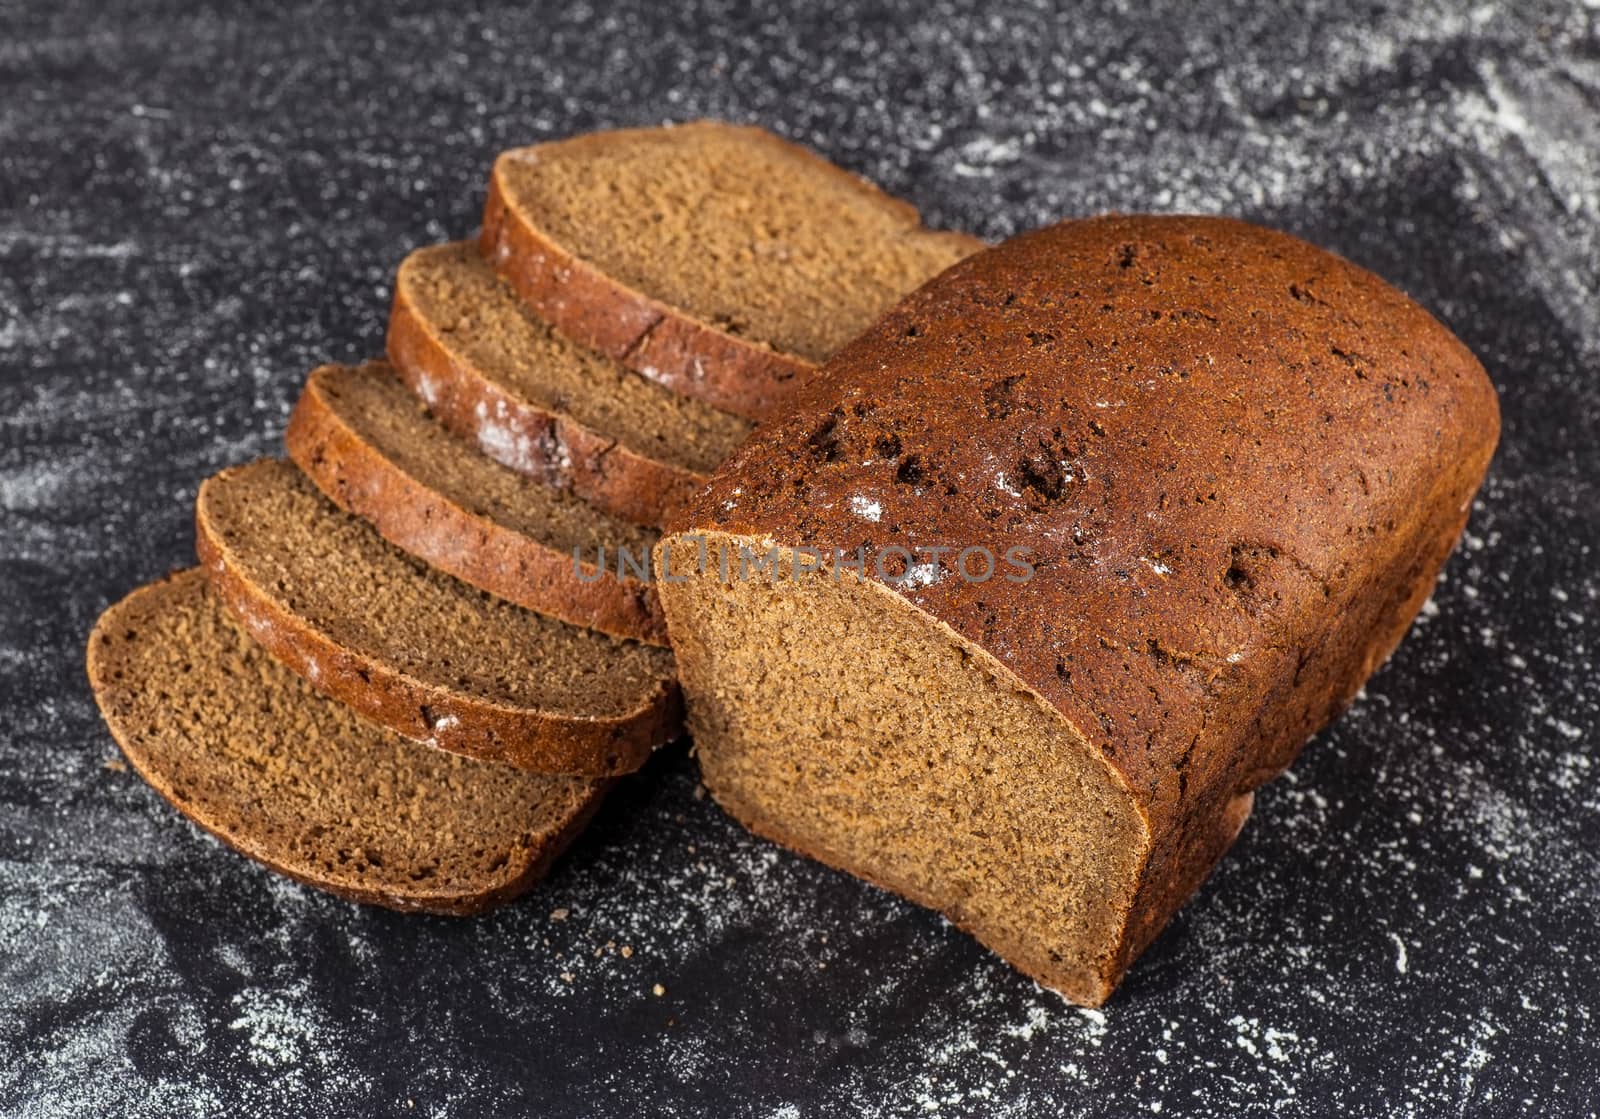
x: 111, y: 695
x: 357, y: 477
x: 602, y: 471
x: 1238, y: 462
x: 694, y: 357
x: 535, y: 740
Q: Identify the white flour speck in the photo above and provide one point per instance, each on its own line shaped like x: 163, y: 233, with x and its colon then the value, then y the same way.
x: 502, y: 443
x: 921, y: 574
x: 1400, y: 953
x: 866, y: 508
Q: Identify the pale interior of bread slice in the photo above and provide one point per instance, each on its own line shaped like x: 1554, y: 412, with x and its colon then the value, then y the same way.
x: 834, y: 716
x: 486, y: 329
x: 333, y: 573
x: 735, y: 227
x: 250, y: 752
x: 373, y: 404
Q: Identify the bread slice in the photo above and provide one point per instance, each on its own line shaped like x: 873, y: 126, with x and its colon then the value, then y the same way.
x: 1128, y: 508
x: 417, y: 650
x: 250, y: 753
x: 499, y: 376
x: 720, y: 260
x: 371, y: 447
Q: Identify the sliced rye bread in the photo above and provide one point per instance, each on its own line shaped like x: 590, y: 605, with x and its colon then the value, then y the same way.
x: 496, y: 374
x: 718, y: 259
x: 371, y: 446
x: 250, y: 753
x: 417, y: 650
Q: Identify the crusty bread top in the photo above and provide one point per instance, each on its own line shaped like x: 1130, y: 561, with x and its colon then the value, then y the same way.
x: 1215, y: 438
x: 729, y: 225
x: 248, y: 751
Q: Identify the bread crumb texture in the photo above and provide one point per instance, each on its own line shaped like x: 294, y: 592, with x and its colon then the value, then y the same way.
x: 733, y: 226
x: 375, y: 405
x: 492, y: 338
x: 375, y: 450
x: 247, y: 750
x: 418, y: 650
x: 333, y: 571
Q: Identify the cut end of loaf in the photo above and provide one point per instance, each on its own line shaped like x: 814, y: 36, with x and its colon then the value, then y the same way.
x: 835, y: 717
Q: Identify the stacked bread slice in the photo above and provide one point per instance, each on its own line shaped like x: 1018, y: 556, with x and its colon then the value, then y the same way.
x: 416, y: 655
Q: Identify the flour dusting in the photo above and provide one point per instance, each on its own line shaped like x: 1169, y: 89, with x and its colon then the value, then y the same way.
x: 1405, y: 928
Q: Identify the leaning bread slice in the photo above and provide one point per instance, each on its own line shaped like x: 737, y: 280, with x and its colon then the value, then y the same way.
x: 417, y: 650
x: 720, y: 260
x: 372, y: 448
x: 246, y: 750
x: 498, y: 375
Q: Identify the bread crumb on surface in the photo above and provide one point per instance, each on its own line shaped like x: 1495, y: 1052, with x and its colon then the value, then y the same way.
x: 627, y: 952
x: 658, y: 990
x: 560, y: 914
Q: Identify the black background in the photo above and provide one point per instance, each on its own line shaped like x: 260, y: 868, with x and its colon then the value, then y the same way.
x: 199, y: 204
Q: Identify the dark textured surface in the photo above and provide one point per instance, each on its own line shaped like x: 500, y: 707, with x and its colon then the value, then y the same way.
x: 196, y: 207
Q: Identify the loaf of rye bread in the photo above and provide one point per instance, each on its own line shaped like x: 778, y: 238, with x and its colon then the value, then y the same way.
x: 372, y: 448
x: 536, y: 402
x: 252, y: 754
x: 419, y: 651
x: 1233, y: 465
x: 721, y: 260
